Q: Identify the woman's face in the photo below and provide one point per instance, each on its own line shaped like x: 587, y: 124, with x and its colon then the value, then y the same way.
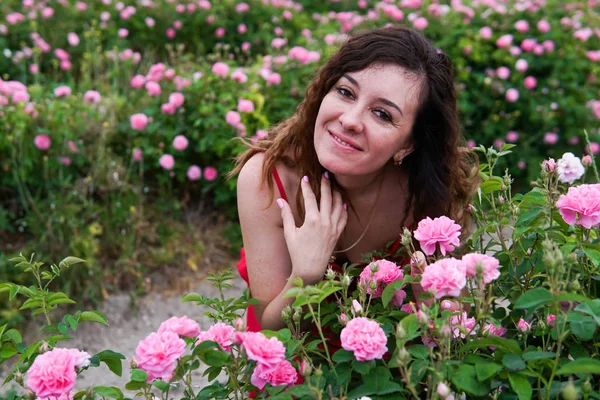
x: 366, y: 119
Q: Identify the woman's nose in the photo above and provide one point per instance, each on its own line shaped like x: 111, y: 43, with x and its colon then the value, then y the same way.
x: 351, y: 120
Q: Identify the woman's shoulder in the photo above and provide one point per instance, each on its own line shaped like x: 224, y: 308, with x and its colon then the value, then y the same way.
x: 251, y: 174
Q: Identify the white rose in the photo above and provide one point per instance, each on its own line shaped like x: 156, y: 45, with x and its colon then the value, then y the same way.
x: 569, y: 168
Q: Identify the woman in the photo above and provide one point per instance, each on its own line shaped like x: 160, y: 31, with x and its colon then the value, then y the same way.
x: 373, y: 147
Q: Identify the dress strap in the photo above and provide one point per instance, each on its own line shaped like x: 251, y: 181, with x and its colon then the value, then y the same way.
x: 279, y: 184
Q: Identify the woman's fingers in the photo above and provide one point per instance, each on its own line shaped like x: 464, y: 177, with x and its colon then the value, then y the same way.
x: 289, y: 225
x: 310, y: 201
x: 418, y: 262
x: 325, y: 206
x: 341, y: 223
x: 336, y: 208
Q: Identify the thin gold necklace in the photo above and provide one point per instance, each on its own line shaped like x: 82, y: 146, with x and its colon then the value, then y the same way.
x: 332, y: 257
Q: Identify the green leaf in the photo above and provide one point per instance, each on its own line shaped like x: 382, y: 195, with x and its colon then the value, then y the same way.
x: 419, y: 351
x: 584, y: 327
x: 138, y: 375
x: 67, y: 262
x: 388, y: 292
x: 506, y: 345
x: 465, y: 379
x: 342, y: 355
x: 590, y: 308
x: 363, y: 367
x: 580, y: 366
x: 109, y: 391
x: 31, y: 303
x: 7, y: 351
x: 377, y: 382
x: 491, y: 185
x: 520, y: 385
x: 215, y: 358
x: 135, y: 385
x: 112, y: 361
x: 14, y: 336
x: 13, y: 292
x: 537, y: 355
x: 161, y: 385
x: 534, y: 298
x: 59, y: 298
x: 513, y: 362
x: 528, y: 215
x: 593, y: 255
x: 95, y: 316
x: 191, y: 297
x: 485, y: 370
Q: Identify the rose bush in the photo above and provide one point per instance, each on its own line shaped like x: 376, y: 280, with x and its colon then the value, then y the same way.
x: 513, y: 312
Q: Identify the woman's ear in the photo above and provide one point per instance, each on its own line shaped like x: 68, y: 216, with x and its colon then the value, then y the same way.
x: 402, y: 154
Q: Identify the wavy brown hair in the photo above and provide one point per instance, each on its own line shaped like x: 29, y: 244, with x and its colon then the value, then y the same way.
x: 442, y: 173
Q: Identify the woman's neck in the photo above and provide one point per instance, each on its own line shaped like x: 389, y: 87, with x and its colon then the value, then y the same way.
x: 357, y: 187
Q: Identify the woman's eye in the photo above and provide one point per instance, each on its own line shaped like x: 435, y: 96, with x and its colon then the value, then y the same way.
x: 383, y: 115
x: 344, y: 92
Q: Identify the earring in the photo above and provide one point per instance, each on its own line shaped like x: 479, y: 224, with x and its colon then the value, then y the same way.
x: 398, y: 162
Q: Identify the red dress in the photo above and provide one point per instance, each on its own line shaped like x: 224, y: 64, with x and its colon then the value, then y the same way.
x: 252, y: 323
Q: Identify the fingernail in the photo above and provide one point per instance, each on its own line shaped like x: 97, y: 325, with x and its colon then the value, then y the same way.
x: 305, y: 178
x: 280, y: 203
x: 446, y: 304
x: 345, y: 206
x: 326, y: 174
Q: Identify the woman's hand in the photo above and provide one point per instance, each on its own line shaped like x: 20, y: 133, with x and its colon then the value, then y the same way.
x: 311, y: 245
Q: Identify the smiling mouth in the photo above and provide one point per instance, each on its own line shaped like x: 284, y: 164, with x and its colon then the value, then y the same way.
x: 343, y: 143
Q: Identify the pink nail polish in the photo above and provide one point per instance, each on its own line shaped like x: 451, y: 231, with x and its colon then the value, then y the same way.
x: 345, y: 206
x: 326, y: 174
x: 305, y: 178
x: 280, y: 203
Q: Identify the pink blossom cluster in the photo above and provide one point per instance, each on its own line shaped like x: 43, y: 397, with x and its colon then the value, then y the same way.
x: 220, y: 333
x: 13, y: 90
x: 382, y: 273
x: 440, y: 231
x: 53, y: 373
x: 569, y: 168
x: 489, y: 266
x: 581, y: 205
x: 445, y: 277
x: 365, y: 338
x: 271, y: 365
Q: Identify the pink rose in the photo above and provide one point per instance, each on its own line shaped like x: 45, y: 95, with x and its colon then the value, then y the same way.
x: 274, y: 79
x: 445, y: 277
x: 420, y: 23
x: 461, y: 324
x: 182, y: 326
x: 283, y: 374
x: 245, y: 106
x: 269, y: 352
x: 489, y: 265
x: 550, y: 138
x: 53, y: 373
x: 569, y: 168
x: 586, y: 161
x: 512, y: 95
x: 364, y: 338
x: 194, y: 173
x: 523, y: 325
x: 92, y: 96
x: 62, y: 91
x: 220, y: 69
x: 220, y: 333
x: 139, y: 121
x: 485, y: 32
x: 581, y: 205
x: 210, y: 173
x: 491, y: 329
x: 180, y: 143
x: 550, y: 319
x: 543, y: 26
x: 137, y: 154
x: 20, y: 96
x: 522, y: 26
x: 157, y: 355
x: 398, y: 298
x: 167, y: 108
x: 521, y: 65
x: 386, y: 273
x: 233, y: 118
x: 153, y: 88
x: 503, y: 73
x: 176, y: 99
x: 504, y: 41
x: 42, y: 142
x: 512, y: 136
x: 549, y: 165
x: 441, y: 230
x: 73, y: 39
x: 530, y: 82
x: 166, y: 161
x: 138, y: 81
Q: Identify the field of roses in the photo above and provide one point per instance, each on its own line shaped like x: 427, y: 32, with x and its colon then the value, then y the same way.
x: 119, y: 117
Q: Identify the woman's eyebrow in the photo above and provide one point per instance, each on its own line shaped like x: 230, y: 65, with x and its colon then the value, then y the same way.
x: 381, y: 99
